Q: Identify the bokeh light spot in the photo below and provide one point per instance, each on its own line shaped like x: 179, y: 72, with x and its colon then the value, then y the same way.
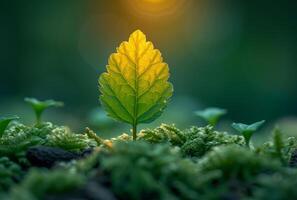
x: 155, y: 8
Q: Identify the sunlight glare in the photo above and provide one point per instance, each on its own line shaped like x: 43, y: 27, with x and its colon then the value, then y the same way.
x: 154, y: 1
x: 155, y: 8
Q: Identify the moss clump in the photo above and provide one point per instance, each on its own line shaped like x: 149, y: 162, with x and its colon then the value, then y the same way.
x: 281, y: 185
x: 280, y: 148
x: 201, y: 140
x: 62, y: 137
x: 10, y: 173
x: 238, y: 168
x: 18, y: 138
x: 141, y: 170
x: 38, y: 184
x: 163, y: 134
x: 194, y: 142
x: 237, y: 162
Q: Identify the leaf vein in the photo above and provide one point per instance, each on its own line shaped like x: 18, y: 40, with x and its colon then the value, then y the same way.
x: 117, y: 66
x: 118, y: 100
x: 155, y: 104
x: 151, y: 64
x: 113, y: 112
x: 152, y: 85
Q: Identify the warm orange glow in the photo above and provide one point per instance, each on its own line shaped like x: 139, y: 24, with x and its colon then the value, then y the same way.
x: 156, y: 7
x: 153, y: 1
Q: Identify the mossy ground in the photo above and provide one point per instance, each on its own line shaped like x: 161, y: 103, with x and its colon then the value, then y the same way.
x: 164, y: 163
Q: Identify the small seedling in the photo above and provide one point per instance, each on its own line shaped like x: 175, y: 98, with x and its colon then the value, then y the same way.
x: 135, y: 88
x: 211, y: 115
x: 4, y: 121
x: 247, y: 130
x: 40, y: 106
x: 278, y: 144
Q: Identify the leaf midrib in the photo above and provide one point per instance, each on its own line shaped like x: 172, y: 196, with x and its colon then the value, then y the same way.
x: 136, y: 79
x: 135, y: 118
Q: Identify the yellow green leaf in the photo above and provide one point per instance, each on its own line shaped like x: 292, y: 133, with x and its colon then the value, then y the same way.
x: 135, y: 88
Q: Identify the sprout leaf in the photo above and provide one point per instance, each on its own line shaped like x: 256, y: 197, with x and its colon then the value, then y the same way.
x: 40, y: 106
x: 135, y: 88
x: 211, y: 115
x: 247, y: 130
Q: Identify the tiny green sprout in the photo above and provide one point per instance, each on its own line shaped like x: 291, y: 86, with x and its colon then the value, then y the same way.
x: 4, y: 121
x: 247, y: 130
x: 40, y: 106
x: 278, y: 144
x: 211, y: 115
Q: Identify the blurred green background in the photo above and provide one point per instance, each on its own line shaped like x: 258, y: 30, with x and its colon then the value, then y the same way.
x: 235, y: 54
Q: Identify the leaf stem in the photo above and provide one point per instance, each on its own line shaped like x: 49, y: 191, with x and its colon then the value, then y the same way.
x: 134, y: 131
x: 38, y: 114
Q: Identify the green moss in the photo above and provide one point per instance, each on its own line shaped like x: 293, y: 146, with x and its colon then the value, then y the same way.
x: 234, y: 161
x: 38, y: 184
x: 141, y: 170
x: 18, y: 138
x: 195, y: 141
x: 163, y: 134
x: 279, y: 147
x: 201, y: 140
x: 279, y: 186
x: 10, y: 173
x: 238, y: 168
x: 62, y: 137
x: 165, y: 163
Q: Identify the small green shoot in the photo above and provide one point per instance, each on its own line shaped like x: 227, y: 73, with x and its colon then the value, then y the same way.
x: 40, y: 106
x: 4, y: 121
x: 278, y: 144
x: 247, y: 130
x: 211, y: 115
